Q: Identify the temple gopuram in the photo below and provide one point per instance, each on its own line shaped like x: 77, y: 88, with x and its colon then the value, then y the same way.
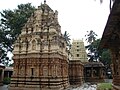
x: 111, y: 40
x: 40, y: 54
x: 76, y: 62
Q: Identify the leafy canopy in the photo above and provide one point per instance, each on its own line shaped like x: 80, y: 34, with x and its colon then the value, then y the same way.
x: 91, y: 47
x: 11, y: 24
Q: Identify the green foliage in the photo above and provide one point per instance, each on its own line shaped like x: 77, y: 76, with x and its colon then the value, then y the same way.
x: 11, y: 24
x: 67, y: 39
x: 91, y: 47
x: 91, y: 36
x: 104, y: 86
x: 6, y: 80
x: 11, y: 65
x: 14, y: 20
x: 105, y: 56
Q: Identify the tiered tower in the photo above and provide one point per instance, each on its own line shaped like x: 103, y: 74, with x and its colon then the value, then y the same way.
x: 40, y: 55
x: 77, y: 60
x: 78, y: 51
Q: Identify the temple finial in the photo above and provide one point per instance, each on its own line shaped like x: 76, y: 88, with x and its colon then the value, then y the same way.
x: 44, y: 1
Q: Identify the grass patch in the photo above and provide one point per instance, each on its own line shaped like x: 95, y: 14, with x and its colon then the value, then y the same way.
x: 103, y: 86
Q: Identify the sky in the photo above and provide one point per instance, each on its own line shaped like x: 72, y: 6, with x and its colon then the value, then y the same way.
x: 75, y: 16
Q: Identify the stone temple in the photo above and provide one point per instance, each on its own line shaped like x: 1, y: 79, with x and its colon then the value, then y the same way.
x: 40, y: 54
x: 76, y: 62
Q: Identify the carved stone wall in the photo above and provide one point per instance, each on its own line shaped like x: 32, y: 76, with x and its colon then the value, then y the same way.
x: 40, y: 55
x: 76, y: 76
x: 41, y: 73
x: 77, y: 60
x: 94, y: 72
x: 115, y: 67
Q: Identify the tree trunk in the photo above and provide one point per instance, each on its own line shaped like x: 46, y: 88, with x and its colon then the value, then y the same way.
x: 110, y: 6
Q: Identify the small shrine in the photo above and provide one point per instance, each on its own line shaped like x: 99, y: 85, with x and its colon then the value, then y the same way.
x: 94, y: 72
x: 111, y: 40
x: 40, y: 54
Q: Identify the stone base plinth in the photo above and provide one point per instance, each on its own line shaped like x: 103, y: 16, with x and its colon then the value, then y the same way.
x: 35, y: 88
x: 35, y: 83
x: 115, y: 87
x: 76, y: 80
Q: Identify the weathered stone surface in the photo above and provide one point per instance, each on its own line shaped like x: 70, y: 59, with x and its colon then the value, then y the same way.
x: 40, y: 55
x: 77, y: 60
x: 94, y: 72
x: 111, y: 41
x: 78, y: 51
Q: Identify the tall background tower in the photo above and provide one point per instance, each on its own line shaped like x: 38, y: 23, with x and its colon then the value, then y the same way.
x: 78, y: 51
x: 77, y: 60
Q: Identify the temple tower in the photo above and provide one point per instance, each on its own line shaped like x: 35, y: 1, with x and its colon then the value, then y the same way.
x: 78, y: 51
x: 77, y: 60
x: 40, y: 55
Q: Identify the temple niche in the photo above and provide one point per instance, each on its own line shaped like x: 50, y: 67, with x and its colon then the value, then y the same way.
x: 40, y: 55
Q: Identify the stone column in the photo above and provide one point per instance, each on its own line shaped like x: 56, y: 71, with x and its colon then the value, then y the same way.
x: 1, y: 76
x: 115, y: 68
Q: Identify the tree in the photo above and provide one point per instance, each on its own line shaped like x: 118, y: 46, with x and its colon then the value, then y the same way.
x: 4, y: 46
x: 67, y: 39
x: 11, y: 24
x: 92, y: 50
x: 110, y: 4
x: 105, y: 58
x: 91, y: 36
x: 103, y: 55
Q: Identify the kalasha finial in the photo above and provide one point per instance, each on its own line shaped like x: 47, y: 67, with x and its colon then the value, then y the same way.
x: 44, y: 1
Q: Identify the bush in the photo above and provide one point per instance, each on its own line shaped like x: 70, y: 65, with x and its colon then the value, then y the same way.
x: 6, y: 80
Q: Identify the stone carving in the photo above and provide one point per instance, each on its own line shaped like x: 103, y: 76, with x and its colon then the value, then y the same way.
x: 40, y: 36
x: 33, y: 45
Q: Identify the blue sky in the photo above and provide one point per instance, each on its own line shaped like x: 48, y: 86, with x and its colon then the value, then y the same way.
x: 75, y: 16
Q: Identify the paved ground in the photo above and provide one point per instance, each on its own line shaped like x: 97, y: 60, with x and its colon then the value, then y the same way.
x: 84, y: 87
x: 5, y: 87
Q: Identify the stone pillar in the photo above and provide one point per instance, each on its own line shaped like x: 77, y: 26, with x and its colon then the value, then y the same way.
x: 75, y: 72
x: 116, y: 69
x: 1, y: 76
